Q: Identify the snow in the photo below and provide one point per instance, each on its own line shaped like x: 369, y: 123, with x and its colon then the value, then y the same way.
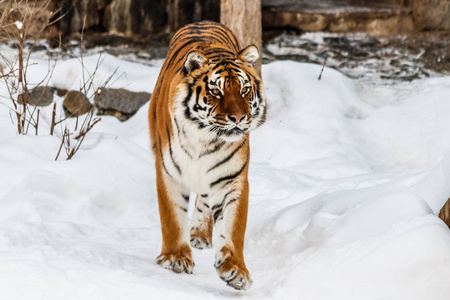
x: 18, y: 24
x: 346, y: 179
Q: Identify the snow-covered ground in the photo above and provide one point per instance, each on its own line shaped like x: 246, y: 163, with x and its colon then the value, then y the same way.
x: 346, y: 179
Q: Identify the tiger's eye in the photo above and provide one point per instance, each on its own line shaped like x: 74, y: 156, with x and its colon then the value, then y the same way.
x: 245, y: 91
x: 215, y: 92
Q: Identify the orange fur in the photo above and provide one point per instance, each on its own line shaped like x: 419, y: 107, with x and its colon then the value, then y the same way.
x: 205, y: 65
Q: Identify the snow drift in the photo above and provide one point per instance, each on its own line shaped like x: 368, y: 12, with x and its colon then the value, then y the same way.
x: 345, y: 182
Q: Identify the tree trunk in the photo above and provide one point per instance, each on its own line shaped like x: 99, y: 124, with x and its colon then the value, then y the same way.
x: 243, y: 17
x: 445, y: 213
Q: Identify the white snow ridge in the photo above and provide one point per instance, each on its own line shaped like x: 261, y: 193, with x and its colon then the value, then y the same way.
x: 345, y: 182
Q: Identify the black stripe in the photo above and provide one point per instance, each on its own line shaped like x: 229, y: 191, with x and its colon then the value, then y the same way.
x: 162, y: 158
x: 175, y: 59
x: 216, y: 214
x: 186, y: 100
x: 215, y: 149
x: 217, y: 210
x: 197, y: 106
x: 222, y: 39
x: 229, y: 177
x: 181, y: 207
x: 226, y: 32
x: 235, y: 67
x: 206, y: 205
x: 229, y: 202
x: 171, y: 152
x: 181, y: 145
x: 217, y: 206
x: 204, y: 195
x: 220, y: 51
x: 227, y: 194
x: 227, y: 158
x: 185, y: 197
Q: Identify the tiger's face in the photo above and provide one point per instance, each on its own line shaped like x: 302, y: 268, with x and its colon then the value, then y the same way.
x: 224, y: 98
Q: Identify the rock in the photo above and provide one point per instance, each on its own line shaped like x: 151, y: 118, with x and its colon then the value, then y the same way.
x: 375, y: 23
x: 76, y: 104
x: 39, y: 96
x: 299, y: 20
x: 61, y: 92
x: 431, y: 14
x: 121, y: 103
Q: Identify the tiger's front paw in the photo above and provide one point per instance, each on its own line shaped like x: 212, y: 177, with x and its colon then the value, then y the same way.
x: 179, y: 262
x: 232, y: 270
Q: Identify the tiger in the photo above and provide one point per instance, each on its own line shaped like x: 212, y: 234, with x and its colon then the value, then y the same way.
x: 206, y: 100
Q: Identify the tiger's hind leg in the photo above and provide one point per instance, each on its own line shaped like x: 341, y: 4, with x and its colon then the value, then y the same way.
x: 173, y: 201
x: 201, y: 224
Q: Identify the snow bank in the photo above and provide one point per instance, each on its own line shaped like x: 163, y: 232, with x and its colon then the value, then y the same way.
x: 345, y: 179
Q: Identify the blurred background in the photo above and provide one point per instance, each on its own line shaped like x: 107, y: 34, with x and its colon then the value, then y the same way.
x: 395, y: 39
x: 137, y: 19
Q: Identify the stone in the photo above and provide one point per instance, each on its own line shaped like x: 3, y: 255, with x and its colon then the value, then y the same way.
x: 431, y: 14
x: 76, y: 104
x: 120, y: 103
x: 61, y: 92
x: 41, y: 96
x: 387, y: 23
x: 394, y: 25
x: 299, y: 20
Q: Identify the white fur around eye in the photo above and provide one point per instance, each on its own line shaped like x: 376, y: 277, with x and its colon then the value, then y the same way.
x: 215, y: 92
x: 245, y: 90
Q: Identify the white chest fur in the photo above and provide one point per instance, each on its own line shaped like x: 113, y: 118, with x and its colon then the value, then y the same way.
x: 197, y: 164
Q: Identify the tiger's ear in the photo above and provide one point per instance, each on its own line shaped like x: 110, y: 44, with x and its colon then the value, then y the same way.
x: 249, y: 55
x: 194, y: 60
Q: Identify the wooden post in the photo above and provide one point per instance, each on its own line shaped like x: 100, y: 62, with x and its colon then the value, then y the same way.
x: 444, y: 214
x: 243, y: 17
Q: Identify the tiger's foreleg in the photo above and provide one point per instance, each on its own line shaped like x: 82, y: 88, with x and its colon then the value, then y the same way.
x: 173, y: 200
x: 201, y: 224
x: 230, y: 218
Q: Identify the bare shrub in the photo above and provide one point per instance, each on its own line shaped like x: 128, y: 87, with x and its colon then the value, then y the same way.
x: 19, y: 21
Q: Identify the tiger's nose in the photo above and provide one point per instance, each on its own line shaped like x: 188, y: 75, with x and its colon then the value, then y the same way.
x: 236, y: 118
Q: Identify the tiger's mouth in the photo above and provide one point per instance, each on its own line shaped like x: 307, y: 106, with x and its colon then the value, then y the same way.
x: 230, y: 134
x: 227, y: 130
x: 233, y: 131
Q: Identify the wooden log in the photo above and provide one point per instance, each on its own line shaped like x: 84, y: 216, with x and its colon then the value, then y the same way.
x: 244, y: 19
x: 444, y: 214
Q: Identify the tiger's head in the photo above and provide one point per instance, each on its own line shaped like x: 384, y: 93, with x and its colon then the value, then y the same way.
x: 222, y: 95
